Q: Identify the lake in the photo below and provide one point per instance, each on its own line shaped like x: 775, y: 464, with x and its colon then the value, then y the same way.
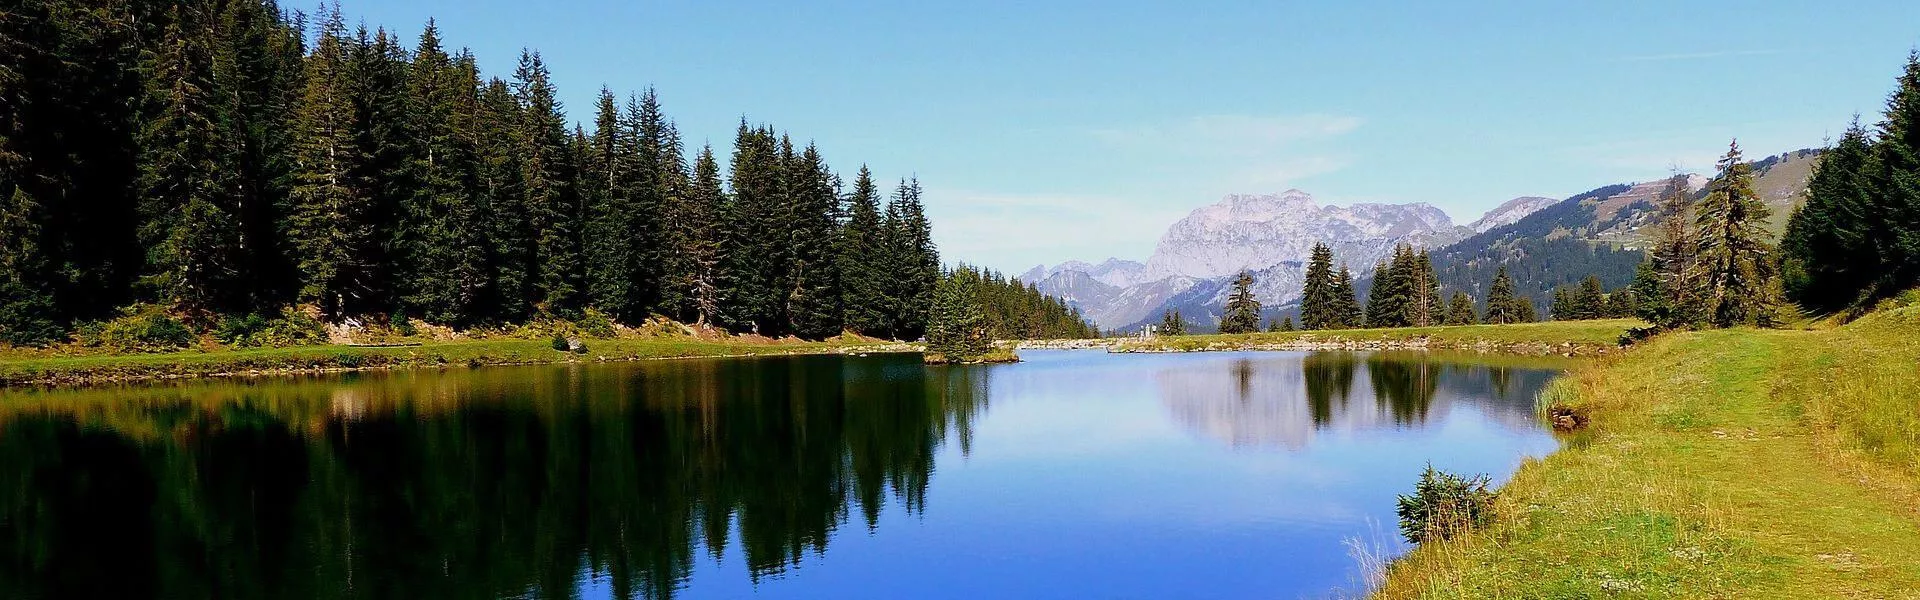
x: 1076, y: 474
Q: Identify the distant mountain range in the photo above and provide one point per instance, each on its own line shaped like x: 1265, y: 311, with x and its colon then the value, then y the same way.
x: 1544, y: 242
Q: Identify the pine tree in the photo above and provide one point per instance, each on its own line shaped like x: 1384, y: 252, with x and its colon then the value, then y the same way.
x: 510, y: 237
x: 443, y: 277
x: 1318, y: 305
x: 1895, y: 179
x: 190, y: 228
x: 1830, y: 258
x: 813, y: 277
x: 1393, y: 301
x: 376, y: 83
x: 1650, y: 294
x: 1286, y: 324
x: 1736, y: 255
x: 1171, y: 323
x: 957, y: 327
x: 1503, y: 306
x: 27, y: 313
x: 256, y: 71
x: 1460, y: 310
x: 1676, y: 256
x: 753, y: 257
x: 1589, y: 301
x: 548, y: 176
x: 1346, y: 301
x: 1425, y: 307
x: 915, y: 264
x: 326, y: 227
x: 1243, y: 309
x: 700, y: 253
x: 610, y: 187
x: 864, y: 281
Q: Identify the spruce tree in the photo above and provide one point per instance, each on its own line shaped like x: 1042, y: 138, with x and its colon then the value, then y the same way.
x: 1676, y: 256
x: 27, y: 313
x: 754, y: 255
x: 615, y: 274
x: 327, y: 227
x: 444, y: 275
x: 864, y: 279
x: 1460, y: 310
x: 1503, y: 306
x: 1590, y: 300
x: 547, y: 178
x: 190, y: 226
x: 256, y: 71
x: 700, y: 222
x: 1829, y: 256
x: 1243, y: 309
x: 1286, y: 324
x: 1650, y: 294
x: 1895, y: 180
x: 1171, y: 323
x: 1346, y: 301
x: 510, y: 234
x: 1318, y: 305
x: 813, y: 278
x: 1736, y: 254
x: 376, y: 83
x: 957, y: 328
x: 1424, y: 307
x: 915, y: 264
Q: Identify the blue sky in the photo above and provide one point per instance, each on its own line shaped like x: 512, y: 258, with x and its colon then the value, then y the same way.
x: 1080, y: 130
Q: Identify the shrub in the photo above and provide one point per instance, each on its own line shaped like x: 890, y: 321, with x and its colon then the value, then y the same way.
x: 293, y: 328
x: 597, y: 324
x: 139, y: 328
x: 26, y: 318
x: 1444, y: 505
x: 560, y: 343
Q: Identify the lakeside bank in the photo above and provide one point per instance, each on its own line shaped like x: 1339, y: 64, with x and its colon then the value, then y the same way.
x: 1732, y: 463
x: 105, y: 368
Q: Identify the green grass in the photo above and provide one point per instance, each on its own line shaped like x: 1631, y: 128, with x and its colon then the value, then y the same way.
x: 1552, y: 337
x: 1721, y: 464
x: 32, y: 369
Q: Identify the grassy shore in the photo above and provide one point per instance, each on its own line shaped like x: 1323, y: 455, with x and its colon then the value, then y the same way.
x: 1722, y: 464
x: 1552, y: 337
x: 39, y: 369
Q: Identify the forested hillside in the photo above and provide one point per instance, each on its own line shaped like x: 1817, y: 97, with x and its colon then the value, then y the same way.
x: 222, y: 157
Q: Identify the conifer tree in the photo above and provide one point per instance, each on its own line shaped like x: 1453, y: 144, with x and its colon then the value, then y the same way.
x: 813, y: 279
x: 1829, y: 258
x: 1318, y: 304
x: 547, y: 178
x: 1650, y: 294
x: 753, y: 255
x: 1460, y: 310
x: 256, y: 69
x: 1346, y: 301
x: 1286, y: 324
x: 1243, y: 309
x: 1676, y: 256
x: 1895, y: 180
x: 510, y: 234
x: 915, y: 262
x: 957, y: 327
x: 1171, y: 323
x: 1503, y: 306
x: 190, y: 228
x: 27, y: 313
x: 864, y: 280
x: 613, y: 243
x: 444, y: 273
x: 328, y: 227
x: 376, y: 83
x: 1736, y: 255
x: 700, y: 250
x: 1424, y: 307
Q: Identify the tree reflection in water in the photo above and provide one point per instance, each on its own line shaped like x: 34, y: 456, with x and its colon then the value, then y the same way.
x: 463, y: 484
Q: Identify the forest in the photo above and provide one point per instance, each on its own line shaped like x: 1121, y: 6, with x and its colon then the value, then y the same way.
x: 192, y: 162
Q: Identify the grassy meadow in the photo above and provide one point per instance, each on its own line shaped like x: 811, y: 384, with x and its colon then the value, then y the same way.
x: 1719, y: 464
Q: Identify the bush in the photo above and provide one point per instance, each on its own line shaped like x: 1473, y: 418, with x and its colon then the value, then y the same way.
x: 1444, y: 505
x: 293, y: 328
x: 26, y: 318
x: 596, y: 324
x: 560, y: 344
x: 139, y: 328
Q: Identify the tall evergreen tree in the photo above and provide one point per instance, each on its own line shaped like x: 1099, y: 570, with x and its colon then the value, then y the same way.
x: 1346, y: 301
x: 444, y: 275
x: 753, y: 255
x: 915, y: 261
x: 813, y: 278
x: 1676, y: 256
x: 328, y: 226
x: 510, y: 236
x: 700, y: 224
x: 1736, y: 254
x: 190, y: 223
x: 957, y: 328
x: 1650, y: 293
x: 1830, y: 258
x: 547, y: 178
x: 1460, y: 310
x: 1424, y: 306
x: 27, y: 313
x: 1503, y: 306
x: 862, y: 259
x: 1243, y: 309
x: 1171, y: 323
x: 614, y: 271
x: 1318, y: 305
x: 1895, y: 178
x: 256, y: 71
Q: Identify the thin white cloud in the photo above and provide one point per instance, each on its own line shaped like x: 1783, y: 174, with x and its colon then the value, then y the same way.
x: 1230, y: 134
x: 1012, y: 230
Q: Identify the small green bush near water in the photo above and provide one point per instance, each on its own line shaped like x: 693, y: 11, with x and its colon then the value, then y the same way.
x: 293, y: 328
x: 1444, y: 505
x: 139, y: 328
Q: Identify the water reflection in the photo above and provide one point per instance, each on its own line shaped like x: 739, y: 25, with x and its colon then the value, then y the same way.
x: 1284, y: 400
x: 464, y: 484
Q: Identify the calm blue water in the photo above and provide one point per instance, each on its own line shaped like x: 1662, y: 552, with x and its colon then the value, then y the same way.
x: 1076, y: 474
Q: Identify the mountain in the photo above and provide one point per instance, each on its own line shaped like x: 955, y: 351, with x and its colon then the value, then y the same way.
x: 1511, y: 212
x: 1244, y: 232
x: 1542, y: 242
x: 1269, y: 235
x: 1601, y: 232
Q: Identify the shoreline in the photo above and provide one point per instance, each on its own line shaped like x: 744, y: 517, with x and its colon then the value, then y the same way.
x: 1553, y: 338
x: 81, y: 371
